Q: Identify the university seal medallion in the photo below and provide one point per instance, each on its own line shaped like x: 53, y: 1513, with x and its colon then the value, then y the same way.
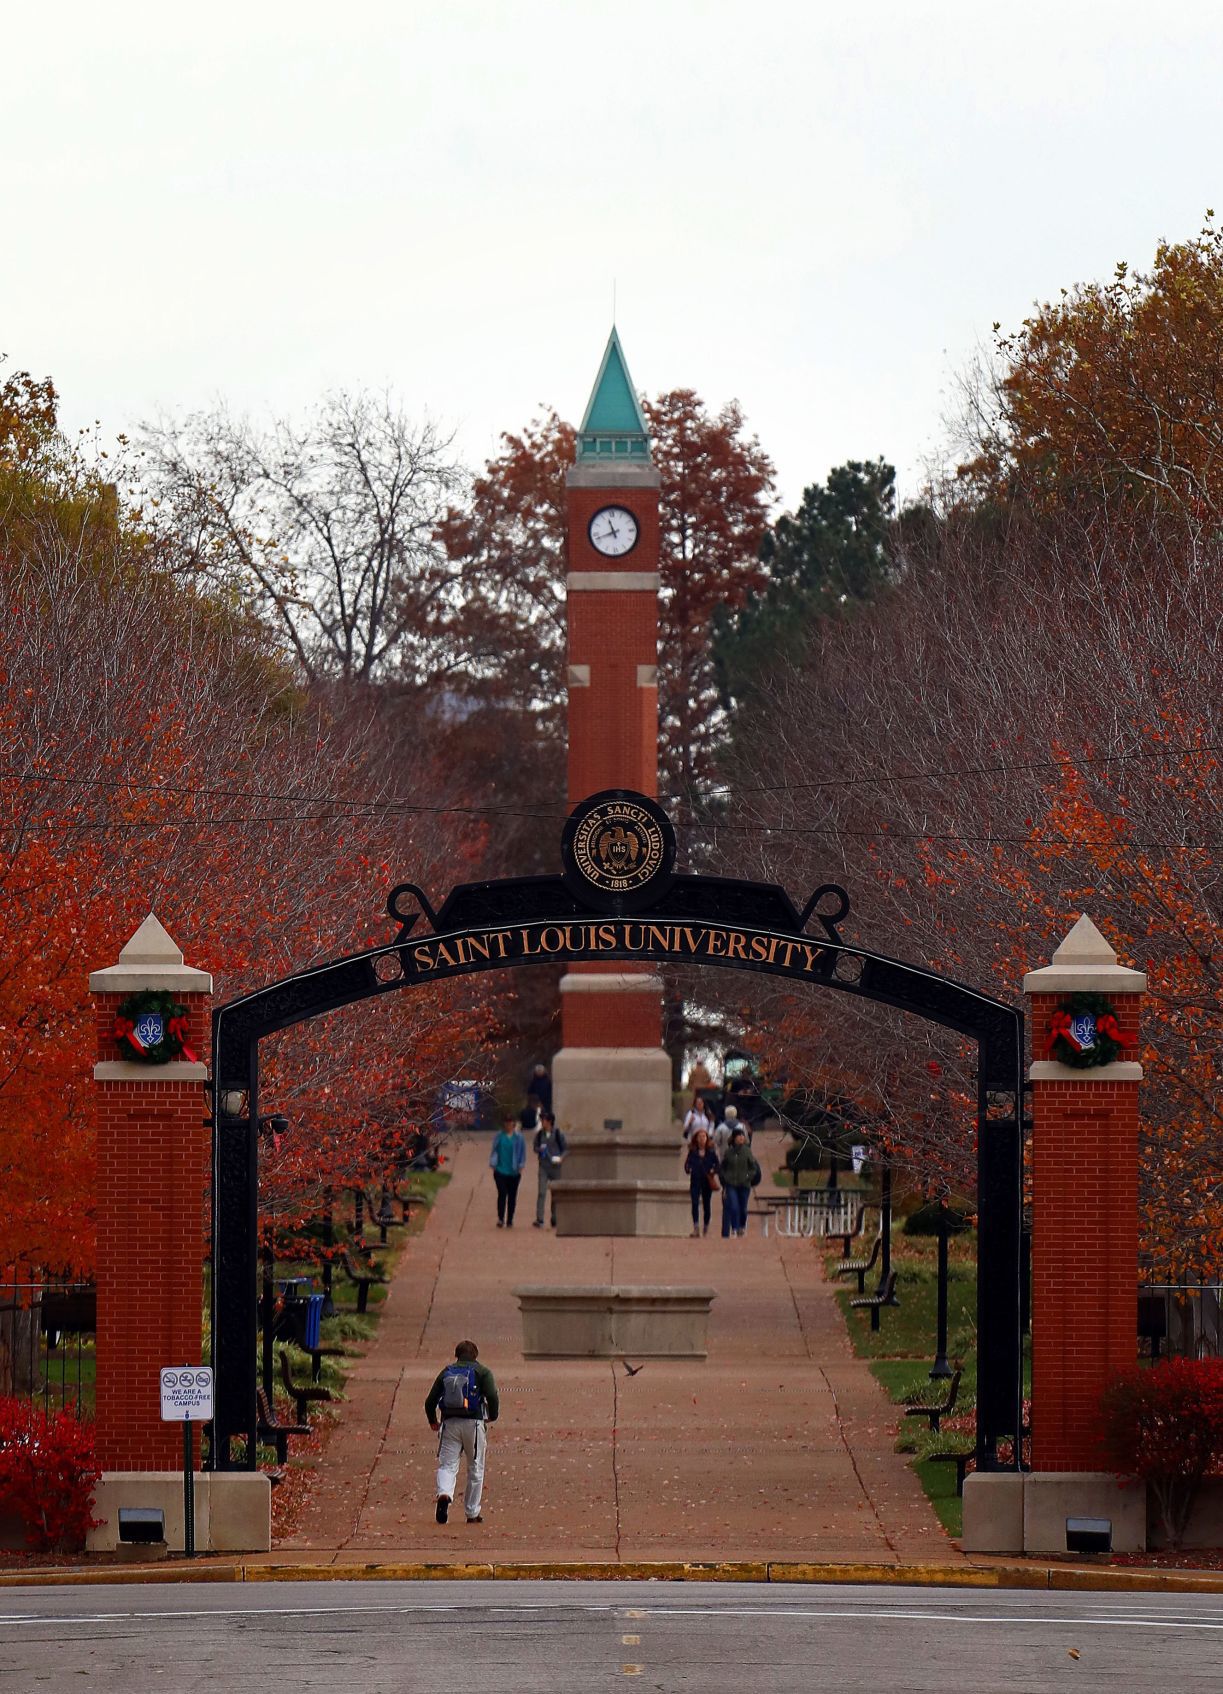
x: 618, y: 851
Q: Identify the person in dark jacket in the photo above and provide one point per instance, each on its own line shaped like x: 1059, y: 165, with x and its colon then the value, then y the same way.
x: 701, y: 1169
x: 550, y: 1148
x: 539, y: 1083
x: 462, y: 1427
x: 740, y: 1173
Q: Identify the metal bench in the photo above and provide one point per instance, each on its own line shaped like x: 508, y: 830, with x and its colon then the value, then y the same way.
x: 960, y: 1456
x: 270, y: 1430
x: 860, y: 1267
x: 303, y: 1395
x: 363, y: 1276
x: 874, y: 1303
x: 935, y: 1410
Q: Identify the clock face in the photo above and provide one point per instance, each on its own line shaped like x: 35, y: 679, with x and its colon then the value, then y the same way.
x: 613, y: 531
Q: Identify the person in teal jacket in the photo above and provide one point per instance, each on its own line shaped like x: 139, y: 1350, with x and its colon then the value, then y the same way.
x: 508, y: 1156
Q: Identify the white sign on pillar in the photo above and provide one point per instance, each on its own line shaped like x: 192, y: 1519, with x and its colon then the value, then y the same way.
x: 186, y: 1393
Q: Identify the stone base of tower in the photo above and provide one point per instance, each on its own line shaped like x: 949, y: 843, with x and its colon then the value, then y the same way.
x: 622, y: 1173
x: 614, y: 1090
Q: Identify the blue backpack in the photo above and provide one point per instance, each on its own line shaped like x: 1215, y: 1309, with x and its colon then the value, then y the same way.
x: 461, y: 1396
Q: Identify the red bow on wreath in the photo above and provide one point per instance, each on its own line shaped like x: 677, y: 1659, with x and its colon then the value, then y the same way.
x: 1108, y: 1025
x: 123, y: 1028
x: 180, y: 1032
x: 1059, y: 1026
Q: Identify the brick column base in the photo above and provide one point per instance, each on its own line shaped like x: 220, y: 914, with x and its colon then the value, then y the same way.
x: 153, y: 1160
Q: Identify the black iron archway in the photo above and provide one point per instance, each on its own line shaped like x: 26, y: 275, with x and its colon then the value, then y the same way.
x: 707, y: 920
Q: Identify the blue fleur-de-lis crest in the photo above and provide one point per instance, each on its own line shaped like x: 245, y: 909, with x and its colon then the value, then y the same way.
x: 150, y: 1029
x: 1083, y: 1030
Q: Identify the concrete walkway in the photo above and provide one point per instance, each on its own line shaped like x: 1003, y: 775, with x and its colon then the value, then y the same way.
x: 779, y: 1446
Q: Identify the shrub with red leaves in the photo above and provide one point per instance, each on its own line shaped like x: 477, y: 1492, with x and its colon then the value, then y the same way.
x: 47, y: 1475
x: 1166, y: 1426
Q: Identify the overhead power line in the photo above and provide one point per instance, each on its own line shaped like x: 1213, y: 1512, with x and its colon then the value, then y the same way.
x: 395, y: 803
x: 973, y: 770
x: 340, y: 810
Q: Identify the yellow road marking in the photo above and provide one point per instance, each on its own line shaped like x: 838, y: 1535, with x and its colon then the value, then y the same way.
x: 630, y: 1640
x: 632, y: 1670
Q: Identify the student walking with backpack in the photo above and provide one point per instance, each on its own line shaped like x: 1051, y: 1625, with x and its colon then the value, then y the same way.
x: 461, y: 1403
x: 508, y: 1156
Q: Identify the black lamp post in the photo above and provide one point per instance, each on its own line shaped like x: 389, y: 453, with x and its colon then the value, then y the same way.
x: 885, y: 1219
x: 274, y: 1126
x: 940, y: 1367
x: 328, y: 1242
x: 268, y: 1304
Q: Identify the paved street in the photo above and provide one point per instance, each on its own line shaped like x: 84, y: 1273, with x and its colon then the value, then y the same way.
x: 779, y: 1446
x: 372, y: 1638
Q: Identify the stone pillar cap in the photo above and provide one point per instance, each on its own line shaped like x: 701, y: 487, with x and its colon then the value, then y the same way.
x: 150, y: 960
x: 1085, y: 963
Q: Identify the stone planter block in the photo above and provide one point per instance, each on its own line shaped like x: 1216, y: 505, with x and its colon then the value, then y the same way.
x: 1050, y: 1497
x: 233, y: 1509
x: 606, y: 1322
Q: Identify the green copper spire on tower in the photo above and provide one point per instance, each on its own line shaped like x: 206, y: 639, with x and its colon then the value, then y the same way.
x: 614, y: 425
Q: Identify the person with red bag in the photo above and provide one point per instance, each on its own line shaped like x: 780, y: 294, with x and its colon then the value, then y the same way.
x: 701, y: 1169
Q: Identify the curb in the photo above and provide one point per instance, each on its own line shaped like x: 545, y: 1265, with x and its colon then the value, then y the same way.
x: 1029, y: 1576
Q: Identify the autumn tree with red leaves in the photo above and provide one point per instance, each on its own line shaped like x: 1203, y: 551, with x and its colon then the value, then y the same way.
x: 1024, y: 725
x: 157, y: 753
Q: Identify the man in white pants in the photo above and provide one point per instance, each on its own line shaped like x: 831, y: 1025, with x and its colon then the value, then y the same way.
x: 461, y: 1403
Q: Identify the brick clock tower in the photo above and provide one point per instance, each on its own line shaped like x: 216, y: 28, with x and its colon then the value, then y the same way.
x: 612, y: 1076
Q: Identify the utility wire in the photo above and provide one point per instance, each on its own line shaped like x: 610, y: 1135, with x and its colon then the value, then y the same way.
x: 340, y: 814
x: 342, y: 807
x: 398, y: 804
x: 976, y: 770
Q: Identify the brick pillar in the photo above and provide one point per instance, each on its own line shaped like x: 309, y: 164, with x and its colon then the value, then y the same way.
x: 1084, y: 1209
x: 613, y: 743
x: 612, y: 1067
x: 153, y: 1160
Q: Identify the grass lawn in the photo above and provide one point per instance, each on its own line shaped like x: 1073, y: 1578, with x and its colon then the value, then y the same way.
x: 907, y: 1330
x: 939, y: 1483
x: 70, y: 1375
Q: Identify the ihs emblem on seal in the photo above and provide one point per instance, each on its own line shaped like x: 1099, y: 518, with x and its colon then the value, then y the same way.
x: 618, y: 845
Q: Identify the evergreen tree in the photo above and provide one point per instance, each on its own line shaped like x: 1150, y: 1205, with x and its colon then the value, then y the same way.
x: 832, y: 554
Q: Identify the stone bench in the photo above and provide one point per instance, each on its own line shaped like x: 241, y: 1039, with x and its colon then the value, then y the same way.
x: 608, y: 1323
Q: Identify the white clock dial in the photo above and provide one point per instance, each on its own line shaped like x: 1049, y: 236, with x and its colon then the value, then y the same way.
x: 613, y: 531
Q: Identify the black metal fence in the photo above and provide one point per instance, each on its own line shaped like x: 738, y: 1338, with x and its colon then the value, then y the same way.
x: 47, y: 1353
x: 1182, y: 1319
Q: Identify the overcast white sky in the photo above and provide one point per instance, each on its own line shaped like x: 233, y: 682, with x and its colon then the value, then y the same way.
x: 819, y: 209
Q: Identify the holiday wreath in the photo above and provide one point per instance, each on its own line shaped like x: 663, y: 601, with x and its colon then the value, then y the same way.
x: 152, y: 1027
x: 1084, y: 1032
